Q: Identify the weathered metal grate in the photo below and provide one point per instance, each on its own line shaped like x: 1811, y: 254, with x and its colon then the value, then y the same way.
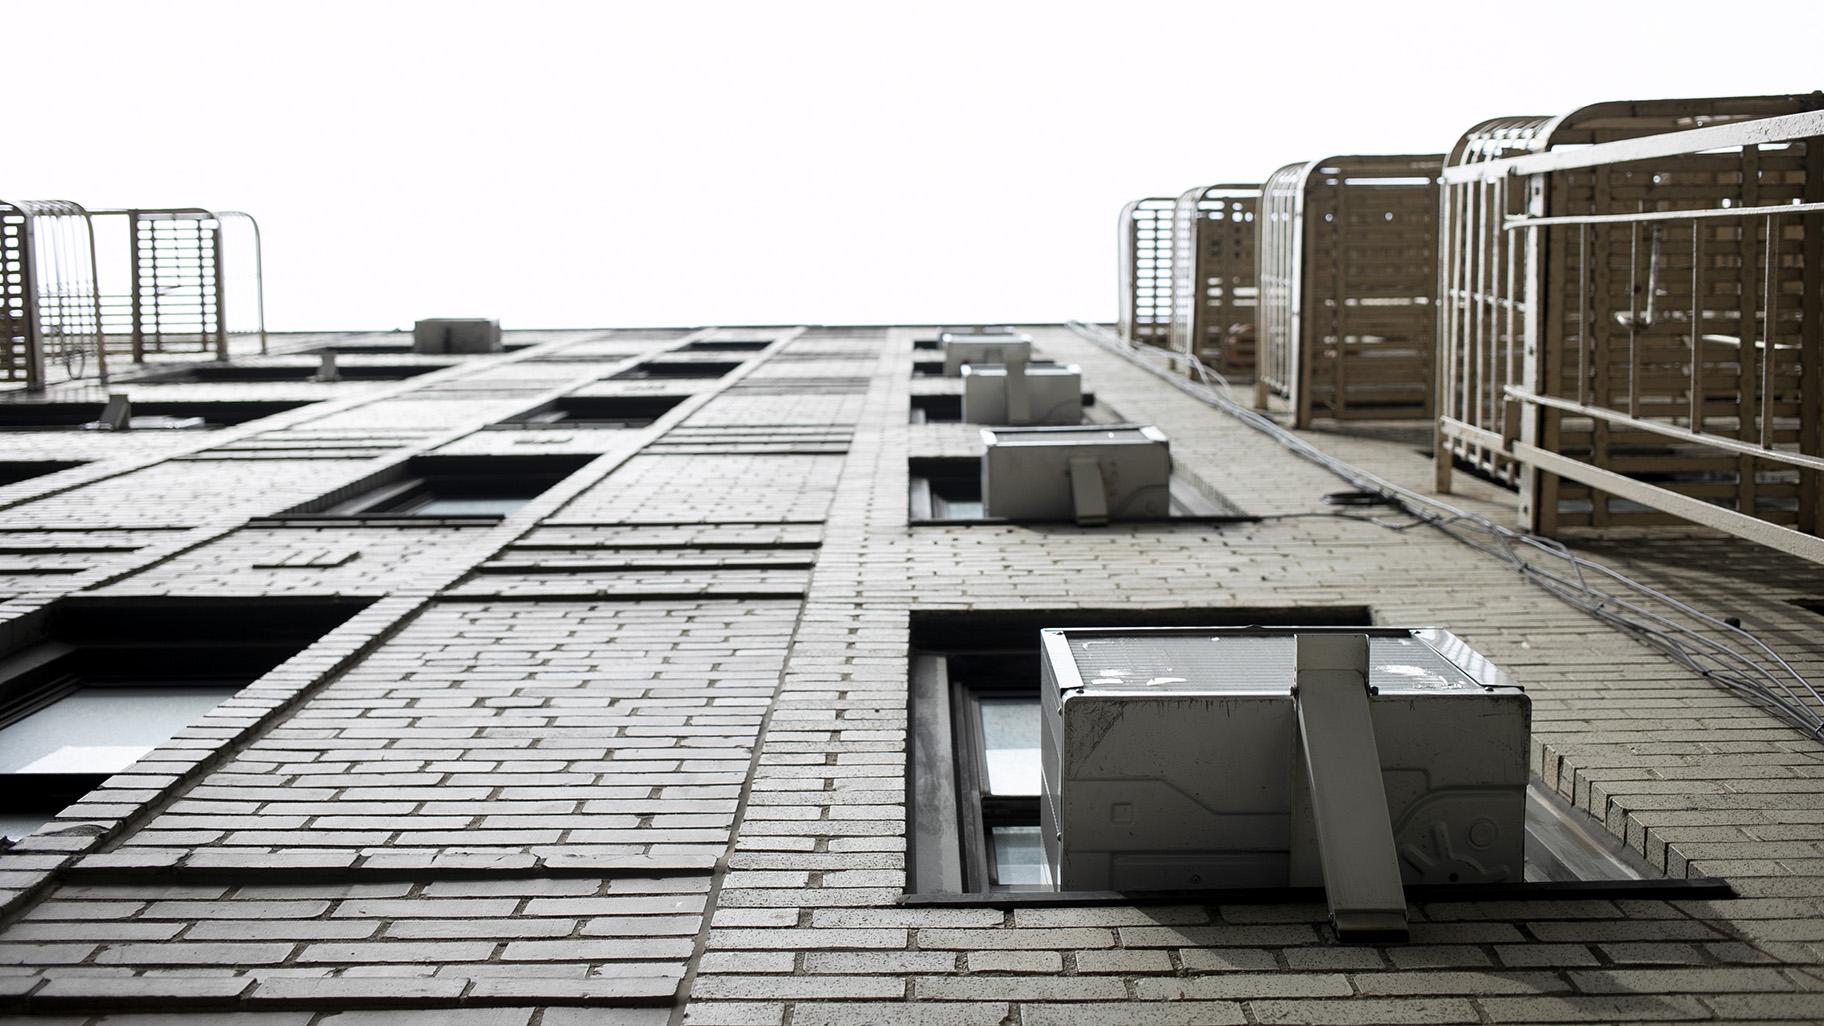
x: 1348, y: 280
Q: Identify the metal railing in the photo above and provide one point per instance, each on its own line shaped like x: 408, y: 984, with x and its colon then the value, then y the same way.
x: 50, y: 315
x: 168, y: 276
x: 1657, y: 355
x: 1213, y: 276
x: 1145, y: 234
x: 1348, y: 279
x: 1482, y: 273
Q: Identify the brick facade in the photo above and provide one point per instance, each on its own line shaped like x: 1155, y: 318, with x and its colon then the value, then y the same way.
x: 637, y: 752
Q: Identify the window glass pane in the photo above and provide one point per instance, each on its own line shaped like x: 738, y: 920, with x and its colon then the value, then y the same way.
x: 1010, y: 740
x: 955, y: 509
x: 469, y: 505
x: 1019, y: 857
x: 14, y: 825
x: 102, y: 730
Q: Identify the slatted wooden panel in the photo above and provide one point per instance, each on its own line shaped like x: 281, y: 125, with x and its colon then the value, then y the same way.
x: 1145, y: 234
x: 1595, y: 348
x: 1348, y: 280
x: 1213, y: 279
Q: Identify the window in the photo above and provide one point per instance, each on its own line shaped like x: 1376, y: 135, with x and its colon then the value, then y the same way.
x: 937, y: 409
x: 30, y: 416
x: 448, y: 486
x: 346, y: 371
x: 976, y: 779
x: 713, y: 345
x: 15, y: 471
x: 97, y: 686
x: 675, y: 369
x: 948, y: 409
x: 618, y: 411
x: 975, y: 724
x: 948, y: 489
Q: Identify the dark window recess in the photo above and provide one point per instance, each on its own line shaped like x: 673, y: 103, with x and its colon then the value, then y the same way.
x: 96, y: 685
x: 675, y: 369
x: 937, y: 409
x: 15, y: 471
x: 948, y: 409
x: 975, y: 785
x: 975, y: 780
x: 617, y: 411
x: 945, y: 488
x: 294, y: 372
x: 949, y: 489
x: 927, y: 368
x: 727, y: 345
x: 927, y: 344
x: 372, y: 349
x: 28, y: 416
x: 450, y: 486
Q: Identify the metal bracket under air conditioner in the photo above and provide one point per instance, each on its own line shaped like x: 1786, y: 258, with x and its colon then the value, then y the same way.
x: 1019, y: 391
x: 1086, y: 491
x: 1342, y: 766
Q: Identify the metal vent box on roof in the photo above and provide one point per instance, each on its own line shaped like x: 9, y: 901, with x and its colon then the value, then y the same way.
x: 1171, y: 758
x: 1027, y: 472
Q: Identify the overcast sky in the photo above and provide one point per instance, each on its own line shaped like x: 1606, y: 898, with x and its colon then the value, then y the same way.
x: 688, y: 163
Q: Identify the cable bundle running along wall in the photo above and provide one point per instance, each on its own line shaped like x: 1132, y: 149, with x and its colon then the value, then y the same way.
x: 1768, y: 679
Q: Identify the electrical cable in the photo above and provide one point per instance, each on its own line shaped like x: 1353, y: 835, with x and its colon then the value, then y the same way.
x: 1782, y: 689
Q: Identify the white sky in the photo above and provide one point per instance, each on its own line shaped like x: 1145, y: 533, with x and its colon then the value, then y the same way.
x: 691, y: 163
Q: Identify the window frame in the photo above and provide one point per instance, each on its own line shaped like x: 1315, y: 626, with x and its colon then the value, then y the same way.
x: 951, y: 816
x: 593, y: 413
x: 927, y: 476
x: 389, y: 494
x: 74, y: 644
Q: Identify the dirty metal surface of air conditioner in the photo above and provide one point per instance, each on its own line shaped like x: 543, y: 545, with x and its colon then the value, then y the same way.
x: 1022, y: 394
x: 1092, y: 473
x: 1185, y: 758
x: 1000, y: 348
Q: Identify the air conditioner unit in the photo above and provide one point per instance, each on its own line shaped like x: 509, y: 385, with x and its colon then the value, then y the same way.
x: 1021, y: 394
x: 1090, y: 473
x: 452, y: 335
x: 1361, y: 759
x: 960, y: 349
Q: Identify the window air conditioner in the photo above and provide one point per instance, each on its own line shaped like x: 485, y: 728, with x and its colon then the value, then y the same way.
x: 1022, y: 394
x: 1360, y: 759
x: 1092, y: 473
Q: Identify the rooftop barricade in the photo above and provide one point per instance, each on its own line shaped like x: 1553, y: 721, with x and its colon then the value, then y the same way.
x: 167, y: 277
x: 50, y: 318
x: 1146, y: 271
x: 1213, y: 286
x: 1631, y: 316
x: 1348, y: 277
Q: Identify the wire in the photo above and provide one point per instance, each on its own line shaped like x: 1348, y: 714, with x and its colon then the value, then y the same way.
x: 1649, y: 614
